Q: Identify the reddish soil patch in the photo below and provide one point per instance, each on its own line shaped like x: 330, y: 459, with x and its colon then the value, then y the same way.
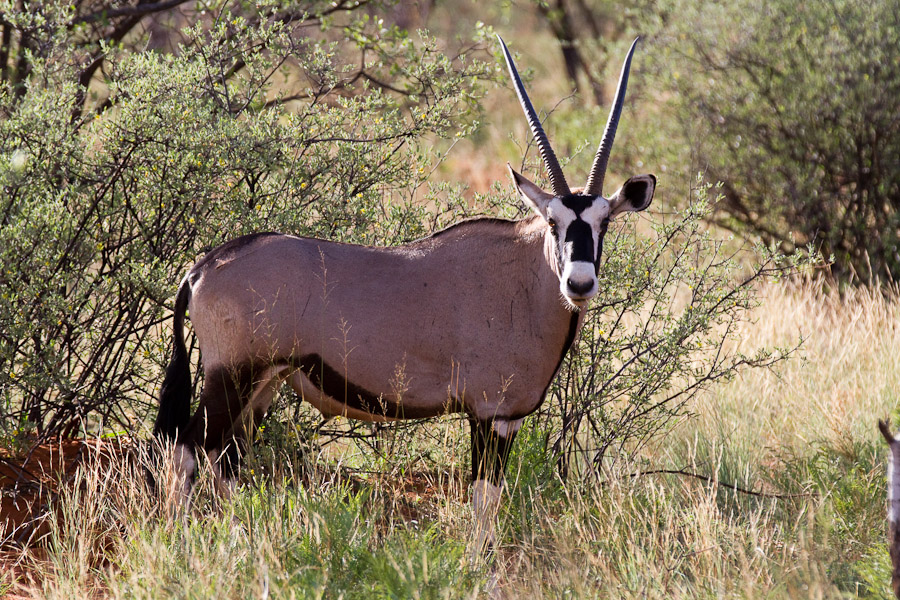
x: 418, y: 495
x: 30, y: 481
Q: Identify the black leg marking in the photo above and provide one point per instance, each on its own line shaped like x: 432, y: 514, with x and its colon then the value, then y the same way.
x: 490, y: 452
x: 332, y: 383
x: 216, y: 425
x: 230, y: 458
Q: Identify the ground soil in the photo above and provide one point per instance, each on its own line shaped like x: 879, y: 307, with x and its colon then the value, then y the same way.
x: 29, y: 482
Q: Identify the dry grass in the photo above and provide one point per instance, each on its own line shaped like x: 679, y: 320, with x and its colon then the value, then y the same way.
x: 842, y: 380
x: 397, y: 524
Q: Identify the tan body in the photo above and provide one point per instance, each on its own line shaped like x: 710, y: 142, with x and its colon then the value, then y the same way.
x: 424, y: 345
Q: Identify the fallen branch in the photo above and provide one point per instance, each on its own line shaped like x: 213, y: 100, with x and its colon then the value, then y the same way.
x: 730, y: 486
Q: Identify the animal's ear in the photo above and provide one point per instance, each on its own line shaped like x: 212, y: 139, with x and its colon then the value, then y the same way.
x: 634, y: 195
x: 532, y: 195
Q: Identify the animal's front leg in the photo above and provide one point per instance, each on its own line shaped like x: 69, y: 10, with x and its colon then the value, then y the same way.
x: 491, y: 444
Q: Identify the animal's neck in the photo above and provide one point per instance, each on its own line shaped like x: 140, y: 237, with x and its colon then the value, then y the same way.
x: 551, y: 327
x: 556, y: 314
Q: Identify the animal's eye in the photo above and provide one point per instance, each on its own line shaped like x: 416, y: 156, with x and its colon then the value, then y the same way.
x: 552, y: 224
x: 605, y: 223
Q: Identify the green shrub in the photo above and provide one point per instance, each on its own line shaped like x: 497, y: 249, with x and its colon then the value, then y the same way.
x: 661, y: 330
x: 252, y: 125
x: 794, y: 107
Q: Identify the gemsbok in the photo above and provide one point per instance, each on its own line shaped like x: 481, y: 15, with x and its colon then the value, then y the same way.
x: 476, y: 319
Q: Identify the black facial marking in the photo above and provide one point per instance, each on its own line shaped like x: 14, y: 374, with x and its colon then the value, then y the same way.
x: 580, y: 235
x: 577, y: 203
x: 553, y: 228
x: 599, y: 253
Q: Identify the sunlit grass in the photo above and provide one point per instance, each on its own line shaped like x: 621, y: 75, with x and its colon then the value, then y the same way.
x: 393, y: 520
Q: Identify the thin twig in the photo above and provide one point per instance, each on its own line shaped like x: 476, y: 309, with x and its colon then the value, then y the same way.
x: 730, y: 486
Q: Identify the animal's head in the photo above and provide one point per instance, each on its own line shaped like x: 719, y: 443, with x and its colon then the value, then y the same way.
x: 577, y: 219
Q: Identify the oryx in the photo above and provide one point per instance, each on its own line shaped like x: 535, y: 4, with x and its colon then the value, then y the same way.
x: 476, y: 318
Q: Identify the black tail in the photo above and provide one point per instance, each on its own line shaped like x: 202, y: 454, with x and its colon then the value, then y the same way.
x: 175, y: 395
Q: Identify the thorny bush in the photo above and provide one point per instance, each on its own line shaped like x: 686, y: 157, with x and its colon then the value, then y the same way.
x: 255, y: 123
x: 664, y: 327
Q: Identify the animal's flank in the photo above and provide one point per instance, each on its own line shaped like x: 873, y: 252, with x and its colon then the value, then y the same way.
x: 331, y: 383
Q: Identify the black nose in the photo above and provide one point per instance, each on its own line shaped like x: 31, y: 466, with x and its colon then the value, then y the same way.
x: 580, y: 287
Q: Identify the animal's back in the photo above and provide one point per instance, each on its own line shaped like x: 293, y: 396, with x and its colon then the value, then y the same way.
x: 424, y: 323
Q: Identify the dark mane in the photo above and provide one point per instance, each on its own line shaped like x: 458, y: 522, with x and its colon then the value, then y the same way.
x: 239, y: 243
x: 474, y: 220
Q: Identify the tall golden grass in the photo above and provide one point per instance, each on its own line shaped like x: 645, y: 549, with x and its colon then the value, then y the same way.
x: 843, y: 378
x: 803, y: 435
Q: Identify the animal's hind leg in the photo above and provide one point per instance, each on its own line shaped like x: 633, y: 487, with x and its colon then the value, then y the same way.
x: 233, y: 398
x: 218, y: 406
x: 253, y: 411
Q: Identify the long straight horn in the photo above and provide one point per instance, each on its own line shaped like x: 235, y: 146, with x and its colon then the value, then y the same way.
x: 594, y: 185
x: 557, y: 179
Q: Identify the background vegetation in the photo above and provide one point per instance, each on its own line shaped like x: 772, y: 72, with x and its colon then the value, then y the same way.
x: 134, y: 136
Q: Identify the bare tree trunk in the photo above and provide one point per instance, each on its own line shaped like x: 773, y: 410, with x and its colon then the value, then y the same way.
x: 5, y: 41
x: 561, y: 24
x: 893, y: 475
